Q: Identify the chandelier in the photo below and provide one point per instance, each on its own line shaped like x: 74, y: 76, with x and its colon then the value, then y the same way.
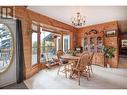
x: 78, y: 20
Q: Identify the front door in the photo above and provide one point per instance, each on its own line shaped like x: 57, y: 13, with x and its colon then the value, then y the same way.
x: 7, y: 52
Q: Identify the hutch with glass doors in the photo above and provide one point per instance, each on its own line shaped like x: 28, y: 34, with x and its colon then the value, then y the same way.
x: 93, y: 41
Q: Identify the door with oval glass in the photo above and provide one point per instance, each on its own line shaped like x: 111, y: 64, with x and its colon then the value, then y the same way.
x: 7, y: 53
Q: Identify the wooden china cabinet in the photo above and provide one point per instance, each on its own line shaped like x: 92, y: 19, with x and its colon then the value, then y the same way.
x: 93, y: 42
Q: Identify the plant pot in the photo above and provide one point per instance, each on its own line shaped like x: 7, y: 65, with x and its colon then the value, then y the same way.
x: 108, y: 62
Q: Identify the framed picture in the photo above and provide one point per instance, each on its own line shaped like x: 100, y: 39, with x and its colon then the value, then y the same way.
x: 111, y: 33
x: 124, y: 43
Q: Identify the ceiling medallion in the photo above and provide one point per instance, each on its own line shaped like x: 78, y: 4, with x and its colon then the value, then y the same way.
x: 78, y: 20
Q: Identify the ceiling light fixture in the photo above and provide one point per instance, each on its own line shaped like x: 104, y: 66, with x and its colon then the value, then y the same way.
x: 78, y: 20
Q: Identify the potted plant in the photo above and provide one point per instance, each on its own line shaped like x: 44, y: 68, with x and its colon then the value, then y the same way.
x: 71, y: 52
x: 109, y: 53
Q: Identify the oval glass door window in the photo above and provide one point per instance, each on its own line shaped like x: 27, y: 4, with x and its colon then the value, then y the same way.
x: 6, y: 48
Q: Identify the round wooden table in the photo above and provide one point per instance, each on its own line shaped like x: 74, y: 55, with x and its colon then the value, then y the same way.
x: 70, y: 57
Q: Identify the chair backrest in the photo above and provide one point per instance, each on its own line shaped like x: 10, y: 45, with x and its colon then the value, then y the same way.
x: 83, y: 61
x: 59, y: 53
x: 61, y: 60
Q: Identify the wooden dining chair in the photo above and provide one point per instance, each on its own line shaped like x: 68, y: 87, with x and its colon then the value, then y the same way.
x: 81, y: 67
x: 63, y: 64
x: 57, y: 58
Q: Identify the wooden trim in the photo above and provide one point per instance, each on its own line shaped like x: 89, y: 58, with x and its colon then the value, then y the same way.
x: 53, y: 28
x: 61, y: 42
x: 38, y: 51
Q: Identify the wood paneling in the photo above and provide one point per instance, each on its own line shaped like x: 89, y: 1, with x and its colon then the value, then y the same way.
x: 108, y: 41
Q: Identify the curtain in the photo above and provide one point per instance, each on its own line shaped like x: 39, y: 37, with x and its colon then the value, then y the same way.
x: 19, y: 53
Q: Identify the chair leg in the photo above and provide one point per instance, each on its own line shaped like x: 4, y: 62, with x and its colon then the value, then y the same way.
x: 78, y: 77
x: 69, y: 70
x: 91, y: 69
x: 58, y: 70
x: 65, y: 68
x: 88, y: 74
x: 71, y: 73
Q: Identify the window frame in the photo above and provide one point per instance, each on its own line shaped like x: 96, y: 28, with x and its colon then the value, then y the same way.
x: 38, y: 31
x: 38, y: 43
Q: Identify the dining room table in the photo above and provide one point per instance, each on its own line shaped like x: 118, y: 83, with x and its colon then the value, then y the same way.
x: 70, y: 57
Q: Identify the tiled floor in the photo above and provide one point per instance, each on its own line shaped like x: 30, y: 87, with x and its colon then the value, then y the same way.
x: 16, y: 86
x: 103, y: 78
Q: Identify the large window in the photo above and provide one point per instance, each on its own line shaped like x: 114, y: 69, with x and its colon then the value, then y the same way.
x: 34, y: 48
x: 50, y: 43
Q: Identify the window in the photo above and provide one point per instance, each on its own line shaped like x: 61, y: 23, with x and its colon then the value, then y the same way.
x: 66, y: 43
x: 6, y: 47
x: 47, y: 49
x: 49, y: 44
x: 34, y: 48
x: 58, y: 43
